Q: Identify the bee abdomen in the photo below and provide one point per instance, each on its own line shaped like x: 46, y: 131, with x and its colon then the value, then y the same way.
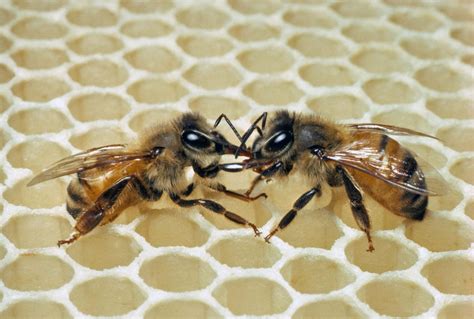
x: 413, y: 204
x: 77, y: 200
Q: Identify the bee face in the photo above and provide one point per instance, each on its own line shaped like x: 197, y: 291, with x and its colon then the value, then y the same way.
x: 277, y: 139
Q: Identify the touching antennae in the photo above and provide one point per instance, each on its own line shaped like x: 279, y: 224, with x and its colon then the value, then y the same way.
x: 249, y: 132
x: 223, y: 116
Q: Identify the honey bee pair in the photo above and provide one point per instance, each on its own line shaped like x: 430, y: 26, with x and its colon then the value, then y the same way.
x: 360, y: 157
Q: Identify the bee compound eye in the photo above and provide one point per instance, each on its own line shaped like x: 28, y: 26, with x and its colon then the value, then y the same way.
x: 195, y: 139
x: 279, y: 141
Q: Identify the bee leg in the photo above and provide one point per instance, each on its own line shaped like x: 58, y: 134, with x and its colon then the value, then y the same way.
x: 300, y: 203
x: 357, y: 205
x: 245, y: 197
x: 188, y: 190
x: 214, y: 207
x: 94, y: 215
x: 265, y: 174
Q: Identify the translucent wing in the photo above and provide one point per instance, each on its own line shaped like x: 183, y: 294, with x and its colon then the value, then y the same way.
x: 386, y: 129
x: 408, y: 172
x: 93, y: 158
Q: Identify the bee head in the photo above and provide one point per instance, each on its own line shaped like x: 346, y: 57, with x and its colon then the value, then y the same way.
x: 276, y: 139
x: 199, y: 138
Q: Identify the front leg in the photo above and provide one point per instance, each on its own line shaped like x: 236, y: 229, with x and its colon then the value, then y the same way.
x: 357, y: 205
x: 244, y: 197
x: 300, y: 203
x: 216, y: 208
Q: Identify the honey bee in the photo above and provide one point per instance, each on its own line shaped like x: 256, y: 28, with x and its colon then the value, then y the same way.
x: 114, y: 177
x: 361, y: 157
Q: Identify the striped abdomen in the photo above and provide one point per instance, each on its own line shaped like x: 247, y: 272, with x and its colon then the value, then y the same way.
x: 395, y: 199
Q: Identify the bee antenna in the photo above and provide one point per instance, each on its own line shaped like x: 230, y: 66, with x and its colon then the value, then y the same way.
x: 229, y: 122
x: 250, y: 130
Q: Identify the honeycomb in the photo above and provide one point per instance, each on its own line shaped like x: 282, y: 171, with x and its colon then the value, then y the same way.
x: 80, y: 74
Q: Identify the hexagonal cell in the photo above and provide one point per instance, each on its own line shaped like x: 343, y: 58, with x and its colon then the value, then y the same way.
x: 252, y: 296
x: 5, y: 74
x: 202, y: 17
x: 181, y: 309
x: 327, y: 75
x: 437, y: 233
x: 146, y: 28
x: 94, y: 17
x: 38, y: 121
x: 416, y: 21
x: 457, y: 310
x: 98, y: 106
x: 253, y: 31
x: 457, y: 138
x: 36, y: 231
x: 316, y: 275
x: 4, y: 138
x: 364, y: 33
x: 380, y: 217
x: 389, y: 255
x: 266, y: 60
x: 442, y: 78
x: 40, y: 89
x: 6, y: 16
x: 153, y: 58
x: 380, y: 61
x: 2, y: 176
x: 451, y: 275
x: 426, y: 48
x: 101, y: 73
x: 464, y: 35
x: 254, y: 7
x: 159, y: 229
x: 35, y: 28
x: 273, y: 92
x: 395, y: 297
x: 138, y: 6
x: 36, y: 58
x: 452, y: 108
x: 3, y: 251
x: 100, y: 136
x: 360, y: 10
x: 427, y: 153
x: 463, y: 169
x: 446, y: 202
x: 50, y: 5
x: 95, y: 43
x: 213, y: 76
x: 467, y: 59
x: 35, y: 154
x: 177, y: 273
x: 245, y: 252
x: 103, y: 250
x: 387, y: 91
x: 404, y: 119
x: 332, y: 308
x: 469, y: 209
x: 311, y: 45
x: 152, y: 118
x: 45, y: 195
x: 202, y: 46
x: 34, y: 272
x: 155, y: 91
x: 5, y: 43
x: 107, y: 296
x: 457, y: 13
x: 35, y: 308
x: 310, y: 18
x: 338, y: 106
x: 212, y: 106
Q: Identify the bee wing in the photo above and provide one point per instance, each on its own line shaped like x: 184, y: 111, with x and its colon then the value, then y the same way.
x: 93, y: 158
x: 368, y: 159
x: 386, y: 129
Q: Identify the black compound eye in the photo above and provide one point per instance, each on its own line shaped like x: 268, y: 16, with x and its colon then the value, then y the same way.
x: 196, y: 139
x: 279, y: 141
